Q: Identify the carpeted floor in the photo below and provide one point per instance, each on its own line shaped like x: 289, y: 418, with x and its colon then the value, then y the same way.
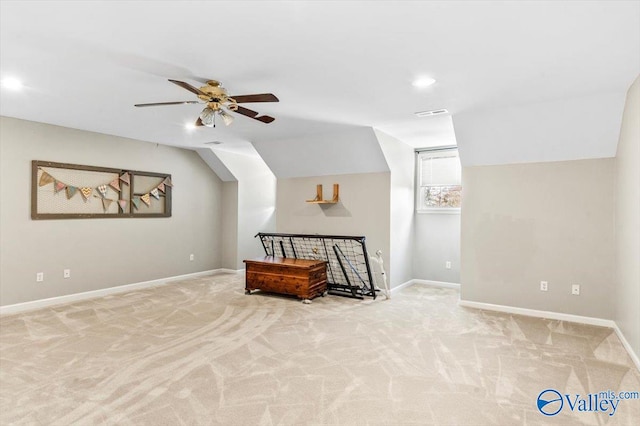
x: 202, y: 352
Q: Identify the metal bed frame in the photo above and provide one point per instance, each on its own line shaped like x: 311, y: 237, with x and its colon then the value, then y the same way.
x: 348, y: 269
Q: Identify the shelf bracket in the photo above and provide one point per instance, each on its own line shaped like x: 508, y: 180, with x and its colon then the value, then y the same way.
x: 318, y: 195
x: 336, y: 193
x: 320, y: 198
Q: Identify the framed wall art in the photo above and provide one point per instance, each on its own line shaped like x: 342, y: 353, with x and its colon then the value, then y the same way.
x: 73, y: 191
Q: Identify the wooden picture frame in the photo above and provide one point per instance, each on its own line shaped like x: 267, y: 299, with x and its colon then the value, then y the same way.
x: 59, y: 194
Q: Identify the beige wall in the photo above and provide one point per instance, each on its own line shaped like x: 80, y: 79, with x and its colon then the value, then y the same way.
x: 101, y: 253
x: 229, y: 225
x: 628, y: 221
x: 525, y: 223
x: 437, y: 241
x: 364, y: 209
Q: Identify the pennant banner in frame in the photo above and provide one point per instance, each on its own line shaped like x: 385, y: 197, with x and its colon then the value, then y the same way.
x: 145, y: 199
x: 71, y: 191
x: 102, y: 189
x: 86, y: 192
x: 106, y: 203
x: 54, y: 186
x: 125, y: 178
x: 59, y: 186
x: 115, y: 184
x: 45, y: 179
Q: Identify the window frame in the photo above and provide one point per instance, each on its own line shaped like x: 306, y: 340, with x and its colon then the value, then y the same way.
x: 420, y: 154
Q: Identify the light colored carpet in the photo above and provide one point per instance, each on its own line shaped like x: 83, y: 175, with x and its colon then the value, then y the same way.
x: 200, y: 351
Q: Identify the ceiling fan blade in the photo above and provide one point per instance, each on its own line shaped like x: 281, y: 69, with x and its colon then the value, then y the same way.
x: 167, y: 103
x: 246, y: 111
x: 262, y: 97
x: 188, y: 87
x: 265, y: 119
x: 199, y: 122
x: 253, y: 114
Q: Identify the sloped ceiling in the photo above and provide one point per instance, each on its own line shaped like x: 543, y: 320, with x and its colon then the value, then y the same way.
x: 352, y: 150
x: 332, y: 64
x: 565, y: 129
x: 216, y: 164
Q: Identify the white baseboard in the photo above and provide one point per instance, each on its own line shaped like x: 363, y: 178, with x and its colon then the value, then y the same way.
x: 230, y: 271
x: 538, y: 314
x: 441, y: 284
x: 627, y: 346
x: 401, y: 286
x: 43, y: 303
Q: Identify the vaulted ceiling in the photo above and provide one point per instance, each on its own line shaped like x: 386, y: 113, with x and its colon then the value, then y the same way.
x: 335, y: 66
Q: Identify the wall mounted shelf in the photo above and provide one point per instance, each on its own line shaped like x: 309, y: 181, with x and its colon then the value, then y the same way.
x: 320, y: 198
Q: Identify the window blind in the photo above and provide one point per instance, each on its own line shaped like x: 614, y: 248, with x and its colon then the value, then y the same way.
x: 439, y: 169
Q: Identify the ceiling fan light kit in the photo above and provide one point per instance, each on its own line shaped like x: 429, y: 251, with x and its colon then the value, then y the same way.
x: 226, y: 117
x: 219, y: 103
x: 208, y: 117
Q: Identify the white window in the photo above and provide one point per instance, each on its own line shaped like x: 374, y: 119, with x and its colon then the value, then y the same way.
x: 439, y: 187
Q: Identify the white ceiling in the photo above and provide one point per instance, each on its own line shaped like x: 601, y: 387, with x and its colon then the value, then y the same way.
x: 332, y: 64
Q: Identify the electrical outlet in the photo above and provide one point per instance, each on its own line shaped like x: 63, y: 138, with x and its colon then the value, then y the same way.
x: 66, y: 273
x: 544, y: 285
x: 191, y: 257
x: 40, y: 277
x: 575, y: 289
x: 447, y: 264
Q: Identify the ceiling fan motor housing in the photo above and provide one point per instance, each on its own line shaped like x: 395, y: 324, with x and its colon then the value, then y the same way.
x: 213, y: 92
x: 216, y: 96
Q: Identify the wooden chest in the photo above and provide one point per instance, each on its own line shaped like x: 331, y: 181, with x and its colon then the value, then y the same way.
x: 303, y: 278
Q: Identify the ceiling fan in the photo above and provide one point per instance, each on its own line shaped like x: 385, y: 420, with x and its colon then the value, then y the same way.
x: 219, y: 103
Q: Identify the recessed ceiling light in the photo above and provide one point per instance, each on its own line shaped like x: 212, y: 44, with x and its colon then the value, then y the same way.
x: 11, y: 83
x: 190, y: 126
x: 423, y: 82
